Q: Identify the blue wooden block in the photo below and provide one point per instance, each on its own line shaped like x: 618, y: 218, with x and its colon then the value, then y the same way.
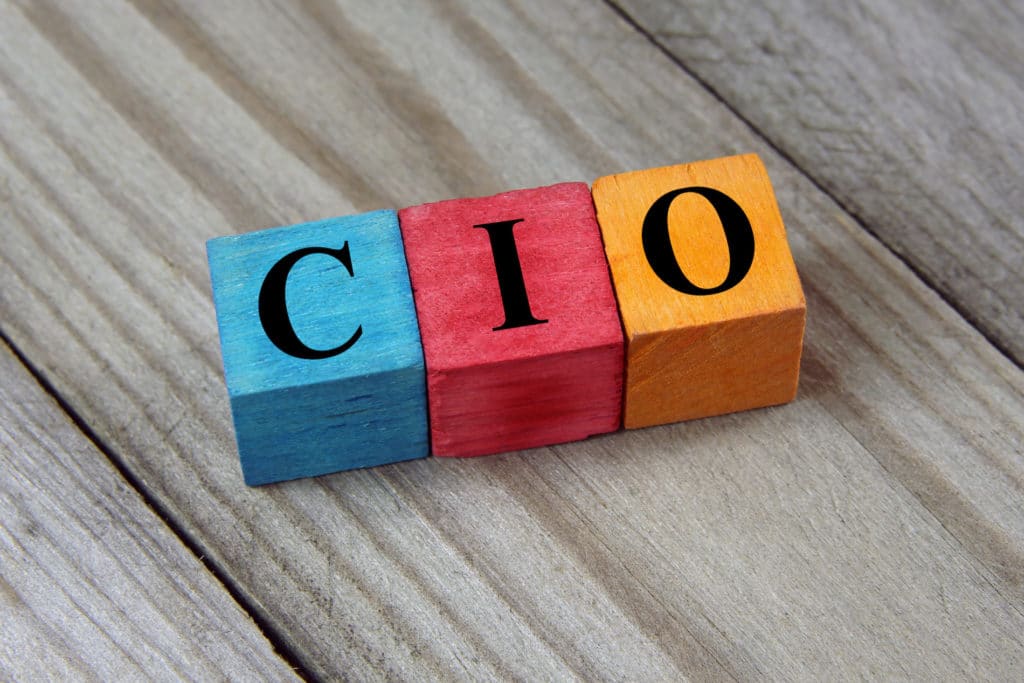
x: 321, y: 348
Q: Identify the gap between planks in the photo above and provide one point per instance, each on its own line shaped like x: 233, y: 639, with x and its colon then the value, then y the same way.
x: 280, y: 645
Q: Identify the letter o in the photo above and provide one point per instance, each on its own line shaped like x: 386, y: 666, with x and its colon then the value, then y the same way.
x: 658, y: 243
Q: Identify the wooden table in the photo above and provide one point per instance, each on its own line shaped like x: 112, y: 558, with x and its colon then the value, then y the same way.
x: 873, y: 528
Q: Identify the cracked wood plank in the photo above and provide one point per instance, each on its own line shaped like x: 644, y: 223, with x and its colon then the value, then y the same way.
x: 873, y: 527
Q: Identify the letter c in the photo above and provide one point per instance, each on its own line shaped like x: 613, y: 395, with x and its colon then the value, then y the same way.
x: 274, y: 310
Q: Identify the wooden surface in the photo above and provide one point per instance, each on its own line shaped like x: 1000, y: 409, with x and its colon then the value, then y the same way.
x: 92, y: 583
x: 711, y: 303
x: 872, y: 528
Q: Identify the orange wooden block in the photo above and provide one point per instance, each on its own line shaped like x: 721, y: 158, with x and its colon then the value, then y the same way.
x: 707, y: 289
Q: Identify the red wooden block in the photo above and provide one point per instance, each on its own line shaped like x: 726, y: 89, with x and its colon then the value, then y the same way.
x: 520, y: 330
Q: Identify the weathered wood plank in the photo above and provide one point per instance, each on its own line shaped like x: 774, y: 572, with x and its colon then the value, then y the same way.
x: 910, y: 113
x: 875, y: 526
x: 92, y: 584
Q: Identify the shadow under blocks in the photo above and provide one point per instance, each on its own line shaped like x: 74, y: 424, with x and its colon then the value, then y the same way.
x: 514, y: 321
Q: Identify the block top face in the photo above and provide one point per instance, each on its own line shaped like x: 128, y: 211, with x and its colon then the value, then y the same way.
x: 369, y: 310
x: 691, y: 241
x: 461, y: 299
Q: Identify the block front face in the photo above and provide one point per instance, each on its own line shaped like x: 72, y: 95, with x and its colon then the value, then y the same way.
x: 321, y: 348
x: 707, y: 289
x: 520, y: 330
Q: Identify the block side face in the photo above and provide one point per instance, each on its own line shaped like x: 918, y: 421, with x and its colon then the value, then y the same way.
x: 326, y: 305
x: 456, y: 285
x: 526, y: 403
x: 331, y: 427
x: 698, y: 244
x: 714, y: 369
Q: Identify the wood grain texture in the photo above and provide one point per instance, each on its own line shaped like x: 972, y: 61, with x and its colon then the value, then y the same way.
x: 320, y: 346
x: 874, y: 527
x: 520, y: 329
x: 911, y: 114
x: 92, y: 584
x: 708, y: 292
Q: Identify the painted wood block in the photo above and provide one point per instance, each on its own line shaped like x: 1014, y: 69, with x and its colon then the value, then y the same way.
x: 520, y: 330
x: 708, y: 292
x: 322, y: 354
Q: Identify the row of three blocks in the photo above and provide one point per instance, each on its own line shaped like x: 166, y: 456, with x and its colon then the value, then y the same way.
x: 503, y: 319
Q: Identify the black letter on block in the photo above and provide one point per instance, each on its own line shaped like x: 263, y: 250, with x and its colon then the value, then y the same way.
x: 510, y: 275
x: 274, y: 309
x: 658, y: 245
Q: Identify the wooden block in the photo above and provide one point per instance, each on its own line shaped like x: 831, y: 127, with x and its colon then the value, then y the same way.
x: 520, y: 330
x: 321, y: 349
x: 707, y: 289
